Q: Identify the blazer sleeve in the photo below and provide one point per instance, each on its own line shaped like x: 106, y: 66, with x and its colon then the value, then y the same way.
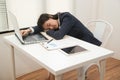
x: 65, y: 27
x: 37, y: 29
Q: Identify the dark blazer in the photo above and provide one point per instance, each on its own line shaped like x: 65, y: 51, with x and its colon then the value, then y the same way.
x: 70, y: 25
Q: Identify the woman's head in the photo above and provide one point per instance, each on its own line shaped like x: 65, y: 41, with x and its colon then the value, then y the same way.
x: 48, y: 21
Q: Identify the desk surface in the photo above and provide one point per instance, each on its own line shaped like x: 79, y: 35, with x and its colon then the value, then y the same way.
x: 57, y: 62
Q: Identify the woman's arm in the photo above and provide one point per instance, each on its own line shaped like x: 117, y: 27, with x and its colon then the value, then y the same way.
x: 37, y: 29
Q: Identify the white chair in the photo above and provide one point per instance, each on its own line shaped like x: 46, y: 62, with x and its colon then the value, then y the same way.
x: 102, y: 30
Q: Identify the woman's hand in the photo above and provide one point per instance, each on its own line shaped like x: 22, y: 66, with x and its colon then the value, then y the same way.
x: 25, y: 32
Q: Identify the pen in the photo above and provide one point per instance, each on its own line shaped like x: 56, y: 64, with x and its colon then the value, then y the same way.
x: 49, y: 41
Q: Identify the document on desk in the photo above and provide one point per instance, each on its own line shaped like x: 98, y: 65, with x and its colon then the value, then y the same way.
x: 57, y: 44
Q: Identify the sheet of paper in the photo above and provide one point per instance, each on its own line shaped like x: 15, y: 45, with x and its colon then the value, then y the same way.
x: 58, y: 44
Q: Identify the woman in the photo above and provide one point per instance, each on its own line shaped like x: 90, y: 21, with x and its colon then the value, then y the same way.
x: 62, y: 24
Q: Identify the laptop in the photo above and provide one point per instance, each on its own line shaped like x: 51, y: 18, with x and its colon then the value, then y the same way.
x: 30, y: 38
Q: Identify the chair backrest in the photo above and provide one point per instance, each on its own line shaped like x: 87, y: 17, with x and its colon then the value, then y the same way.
x: 101, y: 30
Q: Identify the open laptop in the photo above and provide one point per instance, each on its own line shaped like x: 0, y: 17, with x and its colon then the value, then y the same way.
x: 30, y: 38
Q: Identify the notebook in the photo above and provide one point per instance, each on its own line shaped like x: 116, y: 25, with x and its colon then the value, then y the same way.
x: 30, y: 38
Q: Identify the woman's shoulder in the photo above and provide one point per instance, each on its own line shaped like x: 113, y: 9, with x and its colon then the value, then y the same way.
x: 65, y: 13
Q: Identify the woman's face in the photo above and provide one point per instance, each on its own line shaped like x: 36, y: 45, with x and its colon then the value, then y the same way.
x: 50, y: 24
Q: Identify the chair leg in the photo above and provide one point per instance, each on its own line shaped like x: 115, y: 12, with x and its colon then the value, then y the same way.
x: 50, y: 76
x: 102, y: 69
x: 81, y: 73
x: 58, y: 77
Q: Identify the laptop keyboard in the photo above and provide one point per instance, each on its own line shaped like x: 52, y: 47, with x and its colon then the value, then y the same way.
x: 35, y: 37
x: 28, y: 39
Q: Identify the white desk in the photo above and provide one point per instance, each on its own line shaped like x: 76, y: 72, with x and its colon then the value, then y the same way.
x: 55, y: 61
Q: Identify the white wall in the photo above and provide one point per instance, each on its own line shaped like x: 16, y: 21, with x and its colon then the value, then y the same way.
x: 110, y: 11
x: 85, y: 10
x: 54, y: 6
x: 26, y: 11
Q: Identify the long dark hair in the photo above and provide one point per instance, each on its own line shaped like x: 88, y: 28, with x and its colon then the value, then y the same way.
x: 44, y: 17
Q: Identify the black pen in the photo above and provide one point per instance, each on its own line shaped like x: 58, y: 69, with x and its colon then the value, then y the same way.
x: 49, y: 41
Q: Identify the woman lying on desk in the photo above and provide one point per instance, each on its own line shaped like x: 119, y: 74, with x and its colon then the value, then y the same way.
x: 62, y: 24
